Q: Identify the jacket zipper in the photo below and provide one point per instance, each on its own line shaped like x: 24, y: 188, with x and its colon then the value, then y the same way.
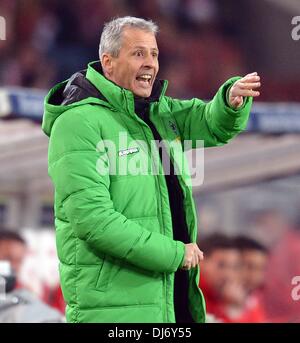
x: 165, y: 277
x: 165, y: 312
x: 141, y: 123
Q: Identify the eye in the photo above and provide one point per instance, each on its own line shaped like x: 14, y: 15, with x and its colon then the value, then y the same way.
x: 138, y: 53
x: 155, y: 54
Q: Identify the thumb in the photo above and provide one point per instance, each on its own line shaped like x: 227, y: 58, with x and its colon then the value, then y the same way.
x: 237, y: 102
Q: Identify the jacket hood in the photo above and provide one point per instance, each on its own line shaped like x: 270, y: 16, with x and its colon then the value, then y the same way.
x: 91, y: 87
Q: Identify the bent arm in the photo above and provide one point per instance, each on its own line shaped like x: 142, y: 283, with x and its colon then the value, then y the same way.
x: 215, y: 122
x: 88, y: 205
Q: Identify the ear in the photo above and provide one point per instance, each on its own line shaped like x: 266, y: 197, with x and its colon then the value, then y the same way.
x: 107, y: 63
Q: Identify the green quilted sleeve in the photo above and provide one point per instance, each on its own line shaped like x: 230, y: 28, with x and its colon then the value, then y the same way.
x: 215, y: 123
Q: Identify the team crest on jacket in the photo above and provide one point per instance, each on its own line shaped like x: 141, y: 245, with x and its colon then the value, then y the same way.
x: 173, y: 127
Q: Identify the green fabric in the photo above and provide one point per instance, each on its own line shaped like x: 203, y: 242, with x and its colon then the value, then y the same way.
x: 114, y: 232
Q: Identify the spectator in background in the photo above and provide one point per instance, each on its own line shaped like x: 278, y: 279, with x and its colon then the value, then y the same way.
x: 232, y: 272
x: 12, y: 249
x: 254, y: 262
x: 283, y: 240
x: 19, y: 304
x: 220, y: 278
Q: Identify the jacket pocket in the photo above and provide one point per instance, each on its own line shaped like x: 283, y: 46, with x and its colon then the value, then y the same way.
x: 106, y: 273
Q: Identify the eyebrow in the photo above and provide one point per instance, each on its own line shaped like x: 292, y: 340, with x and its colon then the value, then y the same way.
x: 143, y: 47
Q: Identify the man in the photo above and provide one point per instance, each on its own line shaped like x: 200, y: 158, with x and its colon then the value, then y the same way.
x: 19, y: 305
x: 220, y: 277
x: 12, y: 249
x: 126, y: 241
x: 281, y: 235
x: 254, y: 263
x: 232, y: 271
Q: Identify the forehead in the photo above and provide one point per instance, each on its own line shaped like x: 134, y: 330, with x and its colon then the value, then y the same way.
x: 225, y: 254
x: 132, y: 37
x: 254, y: 254
x: 8, y: 246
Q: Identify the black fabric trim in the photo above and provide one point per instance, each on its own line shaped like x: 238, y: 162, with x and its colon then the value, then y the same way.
x: 77, y: 88
x: 180, y: 229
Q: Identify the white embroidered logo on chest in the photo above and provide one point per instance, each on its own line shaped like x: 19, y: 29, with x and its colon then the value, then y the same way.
x: 128, y: 151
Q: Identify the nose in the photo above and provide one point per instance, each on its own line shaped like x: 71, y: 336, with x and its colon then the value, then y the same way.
x: 150, y: 61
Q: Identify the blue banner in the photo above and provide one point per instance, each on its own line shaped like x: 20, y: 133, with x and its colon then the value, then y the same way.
x: 22, y: 103
x: 275, y: 118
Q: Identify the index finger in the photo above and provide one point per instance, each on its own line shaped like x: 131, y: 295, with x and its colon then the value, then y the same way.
x: 252, y: 74
x: 252, y: 78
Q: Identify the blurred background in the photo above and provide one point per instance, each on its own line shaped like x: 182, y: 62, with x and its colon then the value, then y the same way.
x: 249, y: 203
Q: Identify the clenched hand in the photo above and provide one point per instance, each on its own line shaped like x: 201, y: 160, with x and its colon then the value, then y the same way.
x: 247, y: 86
x: 193, y: 256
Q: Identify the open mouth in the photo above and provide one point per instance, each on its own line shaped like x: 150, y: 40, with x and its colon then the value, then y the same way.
x: 145, y: 79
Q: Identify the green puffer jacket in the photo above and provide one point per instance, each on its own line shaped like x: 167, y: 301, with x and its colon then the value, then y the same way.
x: 114, y: 229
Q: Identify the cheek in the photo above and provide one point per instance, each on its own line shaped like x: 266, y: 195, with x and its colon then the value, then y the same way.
x: 129, y: 75
x: 122, y: 75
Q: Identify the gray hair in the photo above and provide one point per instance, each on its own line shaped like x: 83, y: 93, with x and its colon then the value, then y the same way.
x: 111, y: 38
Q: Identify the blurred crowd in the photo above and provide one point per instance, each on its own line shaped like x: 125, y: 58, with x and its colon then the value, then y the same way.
x: 245, y: 279
x: 18, y: 302
x: 249, y: 279
x: 47, y: 41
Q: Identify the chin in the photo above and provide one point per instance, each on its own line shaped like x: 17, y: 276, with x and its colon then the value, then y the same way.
x: 143, y: 93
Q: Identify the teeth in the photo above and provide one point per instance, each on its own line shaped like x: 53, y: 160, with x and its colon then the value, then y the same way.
x: 145, y: 76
